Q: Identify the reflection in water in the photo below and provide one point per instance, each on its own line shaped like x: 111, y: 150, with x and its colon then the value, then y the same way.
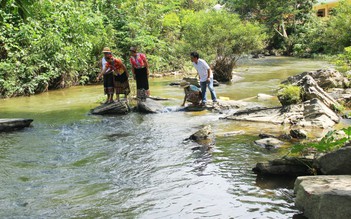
x: 275, y: 182
x: 70, y: 164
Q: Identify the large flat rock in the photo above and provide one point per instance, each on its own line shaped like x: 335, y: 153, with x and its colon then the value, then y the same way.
x: 14, y: 124
x: 324, y: 197
x: 311, y: 113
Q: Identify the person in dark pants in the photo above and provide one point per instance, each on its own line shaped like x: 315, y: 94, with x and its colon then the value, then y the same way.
x: 107, y: 75
x: 140, y: 70
x: 206, y: 77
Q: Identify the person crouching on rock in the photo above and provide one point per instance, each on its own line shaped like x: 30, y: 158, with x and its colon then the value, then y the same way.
x: 192, y: 93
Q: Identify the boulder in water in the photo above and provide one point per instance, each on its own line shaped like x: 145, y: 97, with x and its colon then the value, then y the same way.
x: 149, y: 106
x: 14, y: 124
x: 112, y: 108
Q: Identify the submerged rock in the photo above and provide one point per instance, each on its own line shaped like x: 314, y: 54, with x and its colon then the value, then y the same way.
x: 14, y: 124
x: 203, y: 137
x: 286, y: 166
x: 269, y: 143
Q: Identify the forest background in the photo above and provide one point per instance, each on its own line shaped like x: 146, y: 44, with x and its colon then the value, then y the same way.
x: 51, y: 44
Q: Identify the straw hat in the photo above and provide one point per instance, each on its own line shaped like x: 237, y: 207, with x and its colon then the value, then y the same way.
x: 106, y: 49
x: 184, y: 84
x: 133, y: 49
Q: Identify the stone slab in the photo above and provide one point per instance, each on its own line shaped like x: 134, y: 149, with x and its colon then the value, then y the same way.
x: 324, y: 197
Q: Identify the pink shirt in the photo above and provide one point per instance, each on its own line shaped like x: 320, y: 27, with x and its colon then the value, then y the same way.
x: 138, y: 61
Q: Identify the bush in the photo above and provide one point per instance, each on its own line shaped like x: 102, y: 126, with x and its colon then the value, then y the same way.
x: 289, y: 94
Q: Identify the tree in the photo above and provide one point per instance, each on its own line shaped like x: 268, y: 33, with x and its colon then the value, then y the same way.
x: 20, y: 7
x: 222, y: 38
x: 281, y: 17
x: 338, y: 32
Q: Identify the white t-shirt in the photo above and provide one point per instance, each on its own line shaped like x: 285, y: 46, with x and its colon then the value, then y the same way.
x: 201, y: 68
x: 103, y: 63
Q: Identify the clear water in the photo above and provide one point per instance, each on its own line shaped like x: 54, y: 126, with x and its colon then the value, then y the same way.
x: 71, y: 164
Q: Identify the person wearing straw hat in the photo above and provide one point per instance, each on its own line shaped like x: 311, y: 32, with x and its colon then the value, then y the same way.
x: 192, y: 93
x: 120, y: 77
x: 107, y: 75
x: 140, y: 70
x: 107, y: 53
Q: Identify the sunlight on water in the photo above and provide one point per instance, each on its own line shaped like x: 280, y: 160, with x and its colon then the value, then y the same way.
x: 71, y: 164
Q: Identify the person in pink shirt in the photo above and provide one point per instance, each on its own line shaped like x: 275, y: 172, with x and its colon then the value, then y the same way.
x: 140, y: 70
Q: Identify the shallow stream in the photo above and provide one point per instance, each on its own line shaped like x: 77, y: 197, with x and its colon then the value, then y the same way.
x: 70, y: 164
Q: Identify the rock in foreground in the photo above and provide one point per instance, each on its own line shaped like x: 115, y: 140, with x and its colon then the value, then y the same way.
x: 324, y: 197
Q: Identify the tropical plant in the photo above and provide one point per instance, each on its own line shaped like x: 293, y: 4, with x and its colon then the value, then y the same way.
x: 328, y: 143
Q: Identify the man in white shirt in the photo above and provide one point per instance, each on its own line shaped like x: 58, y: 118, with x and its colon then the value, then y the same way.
x: 107, y: 53
x: 205, y: 75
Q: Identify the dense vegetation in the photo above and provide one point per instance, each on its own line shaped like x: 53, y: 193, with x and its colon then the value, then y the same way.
x: 50, y: 44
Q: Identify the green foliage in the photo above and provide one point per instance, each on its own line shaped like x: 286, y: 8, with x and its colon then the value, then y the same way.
x: 328, y: 36
x: 220, y: 34
x: 338, y: 31
x: 328, y: 143
x: 339, y: 108
x: 282, y: 18
x: 311, y: 38
x: 51, y: 44
x: 56, y: 47
x: 343, y: 60
x: 289, y: 94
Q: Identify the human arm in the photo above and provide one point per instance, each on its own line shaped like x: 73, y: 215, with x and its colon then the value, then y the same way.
x: 101, y: 73
x: 184, y: 100
x: 146, y: 64
x: 125, y: 70
x: 208, y: 75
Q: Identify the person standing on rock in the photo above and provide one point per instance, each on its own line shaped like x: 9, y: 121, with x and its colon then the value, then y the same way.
x: 107, y: 53
x: 120, y: 76
x: 140, y: 70
x: 107, y: 75
x: 206, y: 77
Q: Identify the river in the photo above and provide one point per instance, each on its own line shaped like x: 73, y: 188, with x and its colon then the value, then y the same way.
x: 70, y: 164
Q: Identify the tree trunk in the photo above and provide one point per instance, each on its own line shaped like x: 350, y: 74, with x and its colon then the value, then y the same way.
x: 223, y: 68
